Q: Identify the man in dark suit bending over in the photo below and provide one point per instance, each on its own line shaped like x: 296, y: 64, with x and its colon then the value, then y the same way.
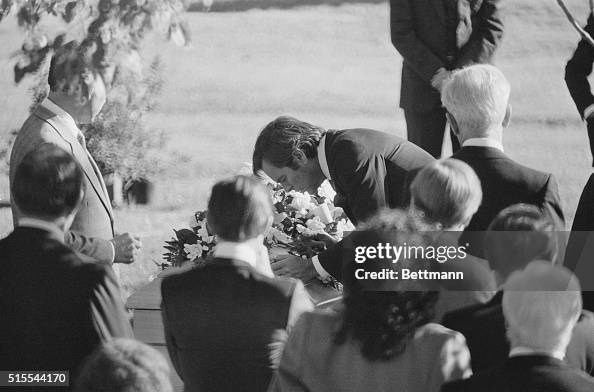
x: 56, y: 305
x: 368, y: 170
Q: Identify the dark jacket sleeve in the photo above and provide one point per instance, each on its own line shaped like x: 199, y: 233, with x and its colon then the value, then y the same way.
x: 552, y: 203
x: 405, y: 40
x: 332, y: 259
x: 577, y: 70
x: 169, y: 338
x: 487, y: 33
x: 96, y: 248
x: 110, y: 318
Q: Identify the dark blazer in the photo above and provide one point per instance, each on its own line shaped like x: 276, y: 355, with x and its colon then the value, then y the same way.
x: 369, y: 170
x: 577, y: 70
x: 220, y: 323
x: 534, y: 373
x: 579, y: 254
x: 55, y: 307
x: 484, y: 328
x: 505, y: 183
x: 426, y: 41
x: 93, y: 223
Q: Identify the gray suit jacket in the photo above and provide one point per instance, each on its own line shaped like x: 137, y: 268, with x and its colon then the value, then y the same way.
x: 420, y: 33
x: 93, y: 225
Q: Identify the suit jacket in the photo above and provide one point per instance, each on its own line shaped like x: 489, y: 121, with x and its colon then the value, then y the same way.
x: 425, y: 39
x: 313, y: 362
x: 369, y: 170
x: 224, y: 323
x: 505, y: 183
x: 580, y: 246
x: 577, y: 70
x: 56, y: 308
x: 484, y: 328
x: 93, y: 223
x: 526, y: 374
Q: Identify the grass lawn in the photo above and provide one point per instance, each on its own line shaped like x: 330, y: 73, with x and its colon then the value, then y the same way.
x: 330, y: 65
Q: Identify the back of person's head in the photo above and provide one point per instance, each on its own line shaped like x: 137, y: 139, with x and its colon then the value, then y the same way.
x: 282, y: 138
x: 48, y: 183
x: 239, y: 209
x: 68, y: 66
x: 519, y: 234
x: 541, y: 305
x: 383, y: 313
x: 447, y: 193
x: 124, y: 365
x: 477, y: 97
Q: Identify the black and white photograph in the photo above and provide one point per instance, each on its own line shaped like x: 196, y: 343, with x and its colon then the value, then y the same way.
x: 296, y: 195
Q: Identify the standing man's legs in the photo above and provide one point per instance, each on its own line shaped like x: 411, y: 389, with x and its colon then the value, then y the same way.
x: 425, y: 129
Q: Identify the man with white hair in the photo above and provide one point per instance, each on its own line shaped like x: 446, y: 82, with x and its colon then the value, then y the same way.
x: 476, y: 99
x: 541, y: 305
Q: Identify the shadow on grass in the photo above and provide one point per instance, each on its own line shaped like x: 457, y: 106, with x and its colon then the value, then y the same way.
x: 245, y: 5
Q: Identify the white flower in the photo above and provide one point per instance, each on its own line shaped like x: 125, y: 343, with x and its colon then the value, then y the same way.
x: 194, y: 222
x: 301, y: 201
x: 323, y: 212
x: 342, y: 226
x: 193, y: 251
x: 326, y: 191
x: 204, y: 235
x: 315, y: 225
x: 300, y: 229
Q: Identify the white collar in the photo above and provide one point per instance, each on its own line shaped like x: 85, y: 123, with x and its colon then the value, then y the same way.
x: 322, y: 157
x: 63, y: 114
x: 236, y: 251
x: 42, y: 225
x: 524, y: 351
x: 483, y: 142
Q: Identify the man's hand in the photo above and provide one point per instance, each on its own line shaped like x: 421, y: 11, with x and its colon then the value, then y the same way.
x: 126, y: 248
x: 294, y: 267
x: 440, y: 78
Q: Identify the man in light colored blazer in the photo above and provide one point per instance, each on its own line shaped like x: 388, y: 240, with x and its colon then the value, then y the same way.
x: 77, y: 94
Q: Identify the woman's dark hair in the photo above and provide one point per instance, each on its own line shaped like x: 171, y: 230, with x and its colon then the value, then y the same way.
x: 281, y: 138
x: 239, y: 209
x: 384, y: 314
x: 48, y: 183
x: 384, y: 321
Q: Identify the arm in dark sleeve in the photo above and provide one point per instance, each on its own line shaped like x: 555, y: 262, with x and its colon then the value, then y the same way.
x: 96, y: 248
x: 552, y: 203
x: 577, y: 70
x: 169, y: 338
x: 110, y: 318
x: 486, y: 35
x: 405, y: 40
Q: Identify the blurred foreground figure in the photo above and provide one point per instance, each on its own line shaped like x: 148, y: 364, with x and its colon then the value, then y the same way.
x: 541, y: 305
x: 77, y: 94
x: 227, y: 319
x: 124, y: 365
x: 383, y: 340
x: 56, y: 305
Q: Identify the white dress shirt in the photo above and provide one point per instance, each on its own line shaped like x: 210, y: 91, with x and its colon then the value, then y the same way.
x: 524, y: 351
x: 259, y: 260
x: 42, y: 225
x: 483, y: 142
x: 326, y: 171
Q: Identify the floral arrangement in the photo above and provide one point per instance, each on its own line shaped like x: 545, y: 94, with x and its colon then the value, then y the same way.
x: 303, y: 225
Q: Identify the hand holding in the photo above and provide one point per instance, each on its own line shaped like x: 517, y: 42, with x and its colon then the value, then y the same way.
x: 294, y: 267
x: 440, y: 78
x: 127, y: 248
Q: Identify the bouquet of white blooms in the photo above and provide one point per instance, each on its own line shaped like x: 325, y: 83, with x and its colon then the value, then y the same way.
x: 300, y: 220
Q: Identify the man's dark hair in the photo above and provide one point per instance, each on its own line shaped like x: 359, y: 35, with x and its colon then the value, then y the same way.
x: 69, y: 63
x: 239, y: 209
x: 281, y: 138
x: 48, y: 183
x: 519, y: 234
